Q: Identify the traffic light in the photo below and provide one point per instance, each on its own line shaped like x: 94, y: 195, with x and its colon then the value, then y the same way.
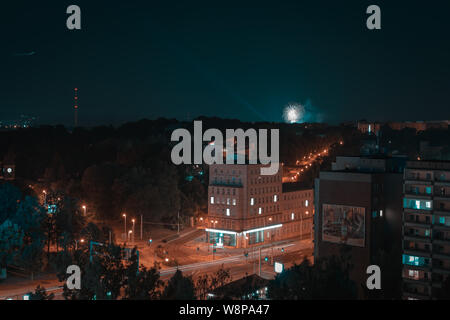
x: 266, y: 259
x: 282, y: 249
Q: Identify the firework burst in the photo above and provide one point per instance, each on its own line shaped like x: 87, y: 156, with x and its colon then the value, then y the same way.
x: 293, y: 112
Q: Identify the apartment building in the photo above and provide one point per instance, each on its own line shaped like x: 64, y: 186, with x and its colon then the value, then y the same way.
x: 359, y: 208
x: 426, y: 228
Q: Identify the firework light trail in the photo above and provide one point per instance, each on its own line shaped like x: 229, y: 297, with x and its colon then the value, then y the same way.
x: 293, y: 112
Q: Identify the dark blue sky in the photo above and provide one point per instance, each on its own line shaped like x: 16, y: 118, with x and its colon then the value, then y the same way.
x: 234, y: 59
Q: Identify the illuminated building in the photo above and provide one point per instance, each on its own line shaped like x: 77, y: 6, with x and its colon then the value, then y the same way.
x: 369, y: 127
x: 426, y: 228
x: 374, y: 127
x: 246, y: 208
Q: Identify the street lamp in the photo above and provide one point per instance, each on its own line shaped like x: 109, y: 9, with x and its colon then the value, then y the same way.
x: 76, y: 243
x: 129, y: 234
x: 84, y: 208
x: 125, y: 223
x: 132, y: 220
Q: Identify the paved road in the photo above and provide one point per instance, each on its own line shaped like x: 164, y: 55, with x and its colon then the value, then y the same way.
x: 241, y: 264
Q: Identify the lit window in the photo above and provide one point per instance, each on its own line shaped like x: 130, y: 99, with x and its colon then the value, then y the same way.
x: 428, y: 204
x: 292, y: 216
x: 275, y: 198
x: 417, y: 204
x: 228, y: 211
x: 306, y: 203
x: 259, y: 210
x: 442, y: 220
x: 414, y: 274
x: 252, y: 201
x: 228, y: 201
x: 381, y: 213
x: 234, y: 202
x: 212, y: 200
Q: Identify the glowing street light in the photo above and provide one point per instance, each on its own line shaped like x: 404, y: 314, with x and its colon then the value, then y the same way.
x: 132, y: 220
x: 84, y: 208
x: 76, y: 243
x: 125, y: 223
x: 129, y: 234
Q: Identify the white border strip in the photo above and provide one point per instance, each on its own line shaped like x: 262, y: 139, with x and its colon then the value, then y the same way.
x: 264, y: 228
x: 220, y: 231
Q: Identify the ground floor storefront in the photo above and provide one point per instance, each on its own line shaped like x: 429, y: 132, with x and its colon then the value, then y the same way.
x: 262, y: 235
x: 244, y: 239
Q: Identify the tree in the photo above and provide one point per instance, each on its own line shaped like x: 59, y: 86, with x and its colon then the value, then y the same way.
x: 41, y: 294
x: 9, y: 200
x: 30, y: 217
x: 208, y: 283
x: 179, y: 288
x: 142, y: 285
x: 69, y: 221
x: 222, y: 276
x: 202, y: 286
x: 328, y: 278
x: 11, y: 237
x: 103, y: 275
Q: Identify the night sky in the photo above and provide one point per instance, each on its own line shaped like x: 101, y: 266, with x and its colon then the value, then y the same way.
x: 233, y: 59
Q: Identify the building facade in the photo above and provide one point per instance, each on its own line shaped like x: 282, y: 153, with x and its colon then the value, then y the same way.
x: 358, y: 209
x: 246, y: 208
x: 426, y: 228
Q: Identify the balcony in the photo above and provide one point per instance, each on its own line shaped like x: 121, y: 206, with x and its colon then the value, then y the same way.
x: 418, y: 179
x: 421, y: 195
x: 441, y: 255
x: 421, y: 211
x: 441, y: 270
x: 422, y: 281
x: 417, y: 252
x: 439, y: 178
x: 444, y: 195
x: 442, y: 183
x: 417, y: 223
x: 443, y: 227
x: 414, y: 292
x: 440, y: 238
x: 442, y: 211
x: 412, y: 237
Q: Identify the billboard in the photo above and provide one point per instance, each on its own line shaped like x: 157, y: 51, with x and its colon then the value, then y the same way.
x: 343, y: 224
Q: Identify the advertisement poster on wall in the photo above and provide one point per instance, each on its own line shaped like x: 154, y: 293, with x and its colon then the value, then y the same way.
x: 343, y: 224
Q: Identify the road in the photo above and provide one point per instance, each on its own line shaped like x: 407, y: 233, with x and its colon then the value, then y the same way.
x: 239, y: 265
x: 195, y: 262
